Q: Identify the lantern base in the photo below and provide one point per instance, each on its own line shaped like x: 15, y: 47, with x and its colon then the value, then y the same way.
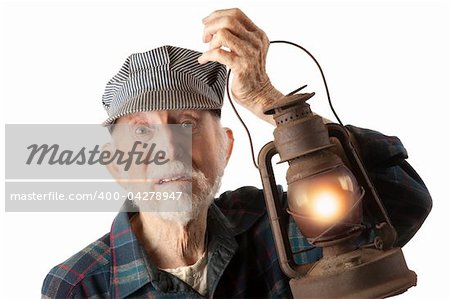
x: 362, y: 273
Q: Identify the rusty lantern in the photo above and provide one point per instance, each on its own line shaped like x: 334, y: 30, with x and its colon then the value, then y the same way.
x: 331, y: 199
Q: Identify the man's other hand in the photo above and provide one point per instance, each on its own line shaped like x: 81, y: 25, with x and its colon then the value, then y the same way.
x: 234, y: 40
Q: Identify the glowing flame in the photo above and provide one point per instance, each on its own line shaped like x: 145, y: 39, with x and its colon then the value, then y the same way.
x: 326, y: 206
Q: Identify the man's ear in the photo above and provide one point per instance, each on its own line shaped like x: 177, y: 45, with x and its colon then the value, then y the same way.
x: 112, y: 167
x: 230, y: 142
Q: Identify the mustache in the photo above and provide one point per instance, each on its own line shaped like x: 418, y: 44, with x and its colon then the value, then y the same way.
x: 174, y: 169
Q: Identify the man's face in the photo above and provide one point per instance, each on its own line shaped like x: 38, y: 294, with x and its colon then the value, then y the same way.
x: 199, y: 166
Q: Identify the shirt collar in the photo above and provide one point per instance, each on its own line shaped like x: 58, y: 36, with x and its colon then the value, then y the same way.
x: 132, y: 269
x: 128, y: 270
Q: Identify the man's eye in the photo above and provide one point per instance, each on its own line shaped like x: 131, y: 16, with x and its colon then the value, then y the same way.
x: 142, y: 130
x: 188, y: 124
x: 143, y: 133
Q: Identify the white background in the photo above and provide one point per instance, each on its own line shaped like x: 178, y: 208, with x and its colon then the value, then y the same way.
x: 385, y: 61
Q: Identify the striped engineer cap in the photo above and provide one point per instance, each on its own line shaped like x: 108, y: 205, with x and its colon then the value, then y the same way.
x: 165, y: 78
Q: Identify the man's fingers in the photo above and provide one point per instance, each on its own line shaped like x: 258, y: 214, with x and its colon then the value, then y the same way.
x: 220, y: 13
x: 224, y: 38
x: 214, y: 13
x: 227, y: 22
x: 234, y: 13
x: 219, y: 55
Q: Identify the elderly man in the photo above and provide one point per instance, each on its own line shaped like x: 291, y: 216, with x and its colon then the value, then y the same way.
x: 221, y: 247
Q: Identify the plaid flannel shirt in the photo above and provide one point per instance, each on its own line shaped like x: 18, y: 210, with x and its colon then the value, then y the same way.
x: 242, y: 261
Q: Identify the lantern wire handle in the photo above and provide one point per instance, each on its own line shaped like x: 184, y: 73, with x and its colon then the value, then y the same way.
x: 242, y: 121
x: 291, y: 93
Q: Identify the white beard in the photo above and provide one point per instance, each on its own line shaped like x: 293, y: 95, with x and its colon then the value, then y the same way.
x: 189, y: 208
x: 189, y: 205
